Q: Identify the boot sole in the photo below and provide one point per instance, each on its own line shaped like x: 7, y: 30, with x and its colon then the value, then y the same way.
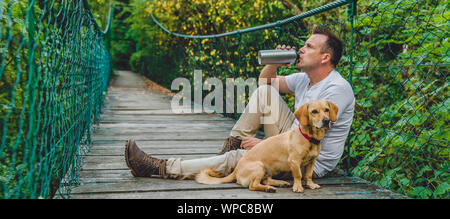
x: 127, y: 145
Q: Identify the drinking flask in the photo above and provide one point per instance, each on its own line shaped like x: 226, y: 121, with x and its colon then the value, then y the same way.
x: 277, y: 56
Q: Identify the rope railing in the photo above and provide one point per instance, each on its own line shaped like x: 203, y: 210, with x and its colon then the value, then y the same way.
x: 54, y: 73
x: 324, y: 8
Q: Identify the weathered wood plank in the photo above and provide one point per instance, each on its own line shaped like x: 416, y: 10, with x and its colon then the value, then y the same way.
x: 164, y: 135
x: 162, y: 121
x: 148, y: 184
x: 158, y: 184
x: 151, y: 112
x: 149, y: 126
x: 360, y: 191
x: 117, y: 151
x: 172, y: 143
x: 168, y: 115
x: 124, y: 175
x: 165, y: 130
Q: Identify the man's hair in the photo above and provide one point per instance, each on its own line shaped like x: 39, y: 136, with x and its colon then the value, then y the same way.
x: 333, y: 44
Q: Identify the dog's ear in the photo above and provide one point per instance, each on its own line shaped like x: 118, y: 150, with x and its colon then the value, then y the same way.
x: 302, y: 114
x: 333, y: 111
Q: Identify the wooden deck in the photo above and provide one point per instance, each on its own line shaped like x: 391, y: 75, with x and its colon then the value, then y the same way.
x: 133, y: 111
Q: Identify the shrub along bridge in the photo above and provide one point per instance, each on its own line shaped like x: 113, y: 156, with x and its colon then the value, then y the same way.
x: 64, y: 120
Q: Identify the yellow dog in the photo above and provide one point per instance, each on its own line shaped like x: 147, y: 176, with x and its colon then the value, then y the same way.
x: 289, y: 151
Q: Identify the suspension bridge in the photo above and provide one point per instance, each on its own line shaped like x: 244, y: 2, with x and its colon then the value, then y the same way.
x: 65, y: 114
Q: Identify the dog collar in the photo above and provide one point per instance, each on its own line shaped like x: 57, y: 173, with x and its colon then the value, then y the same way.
x: 310, y: 139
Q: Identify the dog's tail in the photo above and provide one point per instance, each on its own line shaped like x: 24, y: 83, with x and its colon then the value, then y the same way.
x: 209, y: 176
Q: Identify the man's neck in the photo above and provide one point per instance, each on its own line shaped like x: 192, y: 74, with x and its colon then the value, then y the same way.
x: 317, y: 75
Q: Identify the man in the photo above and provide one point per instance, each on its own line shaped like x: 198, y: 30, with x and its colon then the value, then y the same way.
x: 318, y: 80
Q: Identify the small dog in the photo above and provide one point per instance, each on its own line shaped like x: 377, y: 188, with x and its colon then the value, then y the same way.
x: 289, y: 151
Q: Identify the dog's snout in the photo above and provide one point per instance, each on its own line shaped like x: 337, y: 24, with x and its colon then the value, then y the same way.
x: 326, y: 122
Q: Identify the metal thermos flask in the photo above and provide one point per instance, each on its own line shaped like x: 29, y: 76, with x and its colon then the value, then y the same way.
x: 277, y: 56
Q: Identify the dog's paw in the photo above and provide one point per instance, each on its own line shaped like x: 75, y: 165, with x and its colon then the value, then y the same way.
x: 285, y: 185
x: 313, y: 186
x: 271, y: 189
x: 298, y: 188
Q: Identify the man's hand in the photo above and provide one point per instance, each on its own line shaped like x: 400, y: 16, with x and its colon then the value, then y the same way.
x: 248, y: 142
x: 284, y: 47
x: 269, y: 73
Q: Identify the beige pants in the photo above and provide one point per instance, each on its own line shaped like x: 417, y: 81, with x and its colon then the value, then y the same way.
x: 265, y: 107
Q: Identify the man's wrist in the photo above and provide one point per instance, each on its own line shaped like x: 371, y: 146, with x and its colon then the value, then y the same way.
x: 274, y: 67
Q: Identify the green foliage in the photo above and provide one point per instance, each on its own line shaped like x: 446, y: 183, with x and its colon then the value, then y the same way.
x: 399, y: 137
x: 197, y: 17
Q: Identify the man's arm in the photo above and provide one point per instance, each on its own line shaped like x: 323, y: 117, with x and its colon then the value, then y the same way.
x: 269, y: 76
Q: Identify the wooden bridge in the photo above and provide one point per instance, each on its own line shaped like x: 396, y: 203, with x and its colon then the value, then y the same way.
x: 135, y: 108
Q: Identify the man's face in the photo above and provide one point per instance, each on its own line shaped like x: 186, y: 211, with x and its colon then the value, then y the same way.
x: 310, y: 55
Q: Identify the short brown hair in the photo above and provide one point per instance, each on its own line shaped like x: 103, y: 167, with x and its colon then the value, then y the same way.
x: 333, y: 44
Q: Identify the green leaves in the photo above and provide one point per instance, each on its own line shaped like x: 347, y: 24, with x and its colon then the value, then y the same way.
x: 401, y: 88
x: 442, y: 189
x: 421, y: 192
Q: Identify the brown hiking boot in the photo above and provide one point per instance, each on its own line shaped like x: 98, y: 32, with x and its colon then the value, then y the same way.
x: 232, y: 143
x: 141, y: 164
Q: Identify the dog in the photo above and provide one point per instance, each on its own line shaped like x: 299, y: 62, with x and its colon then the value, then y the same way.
x: 289, y: 151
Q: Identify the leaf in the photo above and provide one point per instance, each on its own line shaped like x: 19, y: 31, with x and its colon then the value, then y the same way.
x: 421, y: 192
x: 404, y: 181
x: 424, y: 169
x: 442, y: 189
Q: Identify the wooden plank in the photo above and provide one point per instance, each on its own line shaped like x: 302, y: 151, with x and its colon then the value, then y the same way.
x: 131, y: 130
x: 176, y: 117
x: 106, y: 174
x: 162, y: 121
x: 232, y: 192
x: 171, y: 143
x: 124, y: 175
x: 166, y: 114
x: 164, y: 125
x: 149, y: 184
x: 145, y: 184
x: 117, y: 151
x: 165, y: 136
x: 150, y: 112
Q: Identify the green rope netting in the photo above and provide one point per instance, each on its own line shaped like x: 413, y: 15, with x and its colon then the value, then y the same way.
x: 53, y: 77
x: 396, y: 58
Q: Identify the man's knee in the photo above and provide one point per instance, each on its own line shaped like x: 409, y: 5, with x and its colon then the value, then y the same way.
x: 231, y: 159
x: 265, y: 90
x: 266, y: 95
